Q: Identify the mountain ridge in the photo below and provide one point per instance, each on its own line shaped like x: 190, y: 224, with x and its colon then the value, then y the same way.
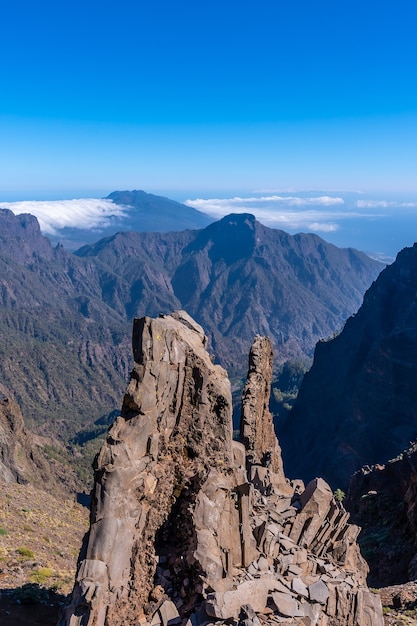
x: 360, y: 396
x: 135, y: 210
x: 64, y: 318
x: 236, y: 289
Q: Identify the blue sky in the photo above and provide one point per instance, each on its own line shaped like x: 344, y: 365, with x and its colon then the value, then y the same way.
x: 207, y: 99
x: 225, y: 95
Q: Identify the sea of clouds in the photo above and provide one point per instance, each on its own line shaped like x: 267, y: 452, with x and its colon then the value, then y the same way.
x: 84, y: 213
x: 314, y: 213
x: 370, y: 223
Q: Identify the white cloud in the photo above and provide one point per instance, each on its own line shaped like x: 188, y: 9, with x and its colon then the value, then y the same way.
x: 322, y: 227
x: 383, y: 204
x: 371, y: 204
x: 88, y: 213
x: 317, y: 214
x: 221, y: 206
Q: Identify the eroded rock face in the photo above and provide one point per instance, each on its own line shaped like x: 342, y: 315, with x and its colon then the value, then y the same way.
x: 190, y: 527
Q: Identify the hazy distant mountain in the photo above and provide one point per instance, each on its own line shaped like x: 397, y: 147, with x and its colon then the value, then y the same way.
x: 65, y: 320
x: 142, y: 212
x: 158, y: 214
x: 358, y: 403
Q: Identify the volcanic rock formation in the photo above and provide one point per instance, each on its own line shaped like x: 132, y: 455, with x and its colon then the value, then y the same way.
x: 189, y: 527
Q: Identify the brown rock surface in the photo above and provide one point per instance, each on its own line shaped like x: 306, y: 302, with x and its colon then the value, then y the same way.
x: 179, y: 532
x: 256, y: 427
x: 16, y: 455
x: 22, y: 454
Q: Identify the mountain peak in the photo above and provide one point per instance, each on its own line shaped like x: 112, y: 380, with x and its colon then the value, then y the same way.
x: 229, y: 239
x: 239, y: 219
x: 20, y: 236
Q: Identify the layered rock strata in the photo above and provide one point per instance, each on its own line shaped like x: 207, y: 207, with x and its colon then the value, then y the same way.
x: 189, y: 527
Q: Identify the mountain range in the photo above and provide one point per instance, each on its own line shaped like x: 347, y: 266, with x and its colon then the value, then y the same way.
x: 65, y: 318
x: 65, y: 325
x: 237, y: 278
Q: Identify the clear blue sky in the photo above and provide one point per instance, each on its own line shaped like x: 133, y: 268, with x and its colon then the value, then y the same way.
x: 207, y: 96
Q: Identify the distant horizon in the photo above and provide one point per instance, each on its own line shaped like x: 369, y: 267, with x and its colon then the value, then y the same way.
x: 379, y: 224
x: 217, y: 100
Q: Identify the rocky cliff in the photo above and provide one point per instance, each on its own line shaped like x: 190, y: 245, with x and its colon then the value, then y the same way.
x: 358, y: 403
x: 16, y: 454
x: 189, y: 527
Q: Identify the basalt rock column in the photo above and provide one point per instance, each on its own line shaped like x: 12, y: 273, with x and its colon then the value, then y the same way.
x: 173, y: 435
x: 256, y: 426
x: 181, y: 534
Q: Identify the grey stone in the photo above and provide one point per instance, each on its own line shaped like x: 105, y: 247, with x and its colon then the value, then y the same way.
x: 169, y: 614
x: 253, y: 569
x: 248, y: 616
x: 262, y: 564
x: 318, y: 592
x: 299, y: 587
x: 286, y: 604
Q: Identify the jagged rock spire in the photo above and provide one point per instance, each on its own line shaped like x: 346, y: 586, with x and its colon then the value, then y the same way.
x: 180, y: 533
x: 256, y: 426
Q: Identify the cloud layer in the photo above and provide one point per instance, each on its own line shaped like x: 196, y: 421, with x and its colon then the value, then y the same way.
x: 85, y: 213
x: 317, y: 214
x: 384, y: 204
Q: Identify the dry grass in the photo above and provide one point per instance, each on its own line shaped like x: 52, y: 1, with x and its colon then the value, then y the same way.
x: 40, y: 537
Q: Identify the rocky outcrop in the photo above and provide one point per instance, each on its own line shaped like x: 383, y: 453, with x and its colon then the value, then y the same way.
x: 256, y: 427
x: 189, y: 527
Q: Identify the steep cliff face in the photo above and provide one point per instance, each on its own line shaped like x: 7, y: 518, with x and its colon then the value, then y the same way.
x: 189, y: 526
x: 358, y: 403
x: 15, y: 462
